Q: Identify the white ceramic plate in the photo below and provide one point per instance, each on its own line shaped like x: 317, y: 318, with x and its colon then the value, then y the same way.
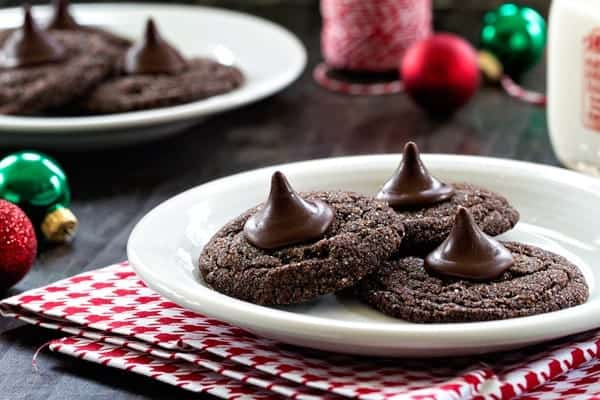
x: 269, y: 56
x: 560, y: 211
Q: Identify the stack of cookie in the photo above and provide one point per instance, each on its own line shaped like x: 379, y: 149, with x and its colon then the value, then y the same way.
x: 420, y: 250
x: 68, y: 68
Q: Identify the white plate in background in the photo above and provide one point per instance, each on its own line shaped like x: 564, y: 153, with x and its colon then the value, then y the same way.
x: 269, y: 56
x: 560, y: 211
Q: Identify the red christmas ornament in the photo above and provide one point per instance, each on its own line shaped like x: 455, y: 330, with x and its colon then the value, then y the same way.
x: 440, y: 73
x: 18, y: 245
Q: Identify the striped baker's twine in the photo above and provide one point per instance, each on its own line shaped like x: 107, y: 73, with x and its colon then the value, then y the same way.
x: 372, y: 35
x: 321, y: 76
x: 369, y: 36
x: 519, y: 93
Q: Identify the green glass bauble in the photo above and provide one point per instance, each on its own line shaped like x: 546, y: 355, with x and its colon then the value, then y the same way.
x: 515, y: 35
x: 39, y: 186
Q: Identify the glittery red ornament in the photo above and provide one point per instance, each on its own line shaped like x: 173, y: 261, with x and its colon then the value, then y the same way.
x: 440, y: 73
x: 18, y: 245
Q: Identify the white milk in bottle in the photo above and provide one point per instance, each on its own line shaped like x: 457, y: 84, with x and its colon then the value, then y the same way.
x: 574, y: 83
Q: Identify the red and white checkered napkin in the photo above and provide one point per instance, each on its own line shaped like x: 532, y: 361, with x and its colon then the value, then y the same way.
x: 115, y: 320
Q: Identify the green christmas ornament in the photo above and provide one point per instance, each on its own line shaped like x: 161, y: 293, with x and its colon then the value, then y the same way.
x: 514, y: 35
x: 39, y: 186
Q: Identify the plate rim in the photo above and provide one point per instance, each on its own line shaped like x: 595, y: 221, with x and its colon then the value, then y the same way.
x: 73, y: 126
x: 419, y: 336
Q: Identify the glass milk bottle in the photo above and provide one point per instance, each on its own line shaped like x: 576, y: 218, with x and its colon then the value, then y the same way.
x: 574, y: 83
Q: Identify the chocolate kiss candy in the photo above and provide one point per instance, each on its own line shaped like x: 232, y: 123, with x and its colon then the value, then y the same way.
x: 153, y: 55
x: 412, y: 185
x: 30, y: 46
x: 286, y: 218
x: 62, y: 18
x: 469, y: 253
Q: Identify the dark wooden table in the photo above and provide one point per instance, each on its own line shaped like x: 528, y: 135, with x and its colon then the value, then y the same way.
x: 113, y: 189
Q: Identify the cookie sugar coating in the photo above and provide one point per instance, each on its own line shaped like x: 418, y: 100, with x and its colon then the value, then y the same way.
x: 364, y: 233
x: 28, y: 90
x: 203, y: 78
x: 427, y: 227
x: 538, y: 282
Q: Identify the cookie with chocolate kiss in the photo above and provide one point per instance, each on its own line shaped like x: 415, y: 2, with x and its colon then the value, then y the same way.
x: 41, y: 70
x: 298, y: 246
x: 427, y: 206
x: 472, y: 277
x: 62, y: 20
x: 154, y: 74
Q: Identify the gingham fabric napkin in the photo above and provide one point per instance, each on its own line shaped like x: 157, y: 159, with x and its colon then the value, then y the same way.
x: 113, y: 319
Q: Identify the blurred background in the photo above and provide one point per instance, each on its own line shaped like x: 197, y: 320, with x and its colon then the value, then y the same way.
x: 113, y: 188
x: 470, y: 4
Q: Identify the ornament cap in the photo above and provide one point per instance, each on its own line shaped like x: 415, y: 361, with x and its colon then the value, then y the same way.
x: 59, y: 225
x: 490, y: 66
x: 153, y: 55
x: 62, y: 18
x: 30, y: 45
x: 412, y: 185
x: 286, y: 218
x: 468, y: 253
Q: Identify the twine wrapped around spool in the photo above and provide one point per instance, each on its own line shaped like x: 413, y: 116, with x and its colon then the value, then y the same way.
x: 372, y: 35
x: 369, y: 36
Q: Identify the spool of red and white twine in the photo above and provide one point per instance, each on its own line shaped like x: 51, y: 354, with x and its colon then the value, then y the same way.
x: 372, y: 36
x: 369, y: 36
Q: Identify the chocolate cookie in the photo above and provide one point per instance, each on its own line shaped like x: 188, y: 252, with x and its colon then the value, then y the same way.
x: 62, y: 20
x: 364, y: 232
x: 427, y: 206
x: 204, y: 78
x: 427, y: 227
x: 154, y: 74
x: 538, y: 282
x: 84, y: 60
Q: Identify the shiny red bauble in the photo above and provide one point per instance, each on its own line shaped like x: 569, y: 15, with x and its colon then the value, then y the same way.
x: 440, y: 73
x: 18, y: 245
